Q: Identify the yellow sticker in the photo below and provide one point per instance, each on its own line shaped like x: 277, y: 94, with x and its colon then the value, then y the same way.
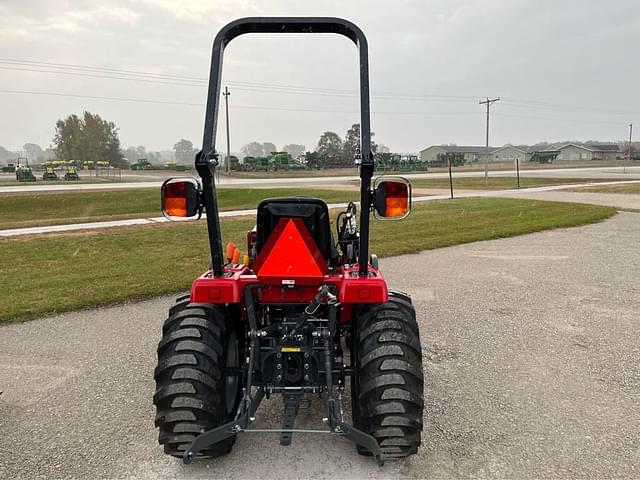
x: 290, y: 349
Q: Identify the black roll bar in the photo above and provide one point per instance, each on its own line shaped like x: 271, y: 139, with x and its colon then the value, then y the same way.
x: 207, y: 160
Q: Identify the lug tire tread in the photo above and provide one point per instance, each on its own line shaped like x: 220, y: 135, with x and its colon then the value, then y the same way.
x: 188, y: 396
x: 388, y: 398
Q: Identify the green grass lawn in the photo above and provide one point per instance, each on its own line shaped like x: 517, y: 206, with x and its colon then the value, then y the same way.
x: 55, y: 273
x: 51, y: 208
x: 632, y: 188
x: 495, y: 183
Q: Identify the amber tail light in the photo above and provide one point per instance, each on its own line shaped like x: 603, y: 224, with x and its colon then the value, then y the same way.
x: 180, y: 199
x: 392, y: 198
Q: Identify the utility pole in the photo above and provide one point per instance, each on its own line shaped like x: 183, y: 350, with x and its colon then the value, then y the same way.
x: 628, y: 158
x: 488, y: 102
x: 226, y: 100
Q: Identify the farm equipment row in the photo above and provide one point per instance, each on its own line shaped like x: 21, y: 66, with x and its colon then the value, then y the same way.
x: 394, y: 162
x: 275, y: 161
x: 383, y: 162
x: 52, y: 170
x: 24, y: 173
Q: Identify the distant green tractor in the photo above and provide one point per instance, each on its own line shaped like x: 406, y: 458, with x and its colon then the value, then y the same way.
x: 262, y: 163
x: 382, y: 161
x: 24, y: 174
x: 283, y: 161
x: 234, y: 163
x: 279, y: 161
x: 405, y: 163
x: 141, y: 164
x: 416, y: 164
x: 253, y: 164
x: 249, y: 164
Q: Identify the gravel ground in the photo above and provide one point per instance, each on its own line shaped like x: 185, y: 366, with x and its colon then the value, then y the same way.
x: 532, y: 361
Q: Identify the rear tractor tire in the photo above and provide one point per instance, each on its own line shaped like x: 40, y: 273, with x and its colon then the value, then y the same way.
x: 387, y: 388
x: 192, y: 394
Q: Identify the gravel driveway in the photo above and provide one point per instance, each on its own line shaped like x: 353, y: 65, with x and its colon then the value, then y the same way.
x: 532, y: 348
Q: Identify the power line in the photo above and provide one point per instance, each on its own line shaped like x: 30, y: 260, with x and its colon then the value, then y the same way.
x: 192, y: 81
x: 98, y: 97
x: 285, y: 109
x: 112, y: 77
x: 97, y: 69
x: 250, y: 107
x: 256, y: 88
x: 204, y: 80
x: 249, y: 88
x: 118, y: 74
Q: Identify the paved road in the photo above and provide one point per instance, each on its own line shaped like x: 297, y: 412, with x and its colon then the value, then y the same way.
x: 532, y: 361
x: 586, y: 172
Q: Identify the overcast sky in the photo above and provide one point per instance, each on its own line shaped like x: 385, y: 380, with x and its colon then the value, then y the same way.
x: 565, y: 69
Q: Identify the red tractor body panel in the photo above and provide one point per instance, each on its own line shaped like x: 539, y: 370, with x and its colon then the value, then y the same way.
x: 351, y: 287
x: 289, y: 270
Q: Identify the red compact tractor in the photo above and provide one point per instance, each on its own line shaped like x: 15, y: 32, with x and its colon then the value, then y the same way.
x: 306, y: 315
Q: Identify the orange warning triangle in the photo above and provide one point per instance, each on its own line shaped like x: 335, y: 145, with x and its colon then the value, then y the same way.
x: 290, y: 253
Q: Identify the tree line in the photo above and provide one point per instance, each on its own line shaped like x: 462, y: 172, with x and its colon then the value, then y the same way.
x: 330, y: 145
